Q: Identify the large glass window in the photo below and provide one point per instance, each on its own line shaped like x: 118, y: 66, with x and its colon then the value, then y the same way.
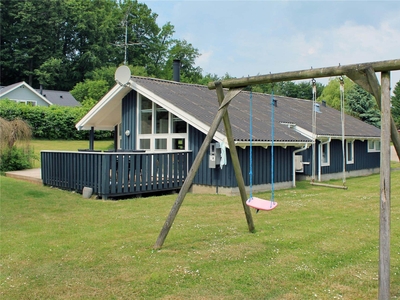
x: 161, y: 144
x: 178, y: 125
x: 161, y: 120
x: 178, y: 144
x: 374, y: 146
x: 146, y: 113
x: 144, y: 144
x: 158, y: 128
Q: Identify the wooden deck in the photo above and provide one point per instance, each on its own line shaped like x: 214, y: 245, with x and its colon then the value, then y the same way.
x: 30, y: 175
x: 115, y: 174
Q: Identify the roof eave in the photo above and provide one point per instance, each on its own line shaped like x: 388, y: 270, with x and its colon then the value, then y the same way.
x: 266, y: 144
x: 88, y: 121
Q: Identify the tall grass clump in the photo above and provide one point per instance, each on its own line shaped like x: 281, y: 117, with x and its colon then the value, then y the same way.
x: 13, y: 157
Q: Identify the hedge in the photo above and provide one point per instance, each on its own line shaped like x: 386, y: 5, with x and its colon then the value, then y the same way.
x: 53, y: 122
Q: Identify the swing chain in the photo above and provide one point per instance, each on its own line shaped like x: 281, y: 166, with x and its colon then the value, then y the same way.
x: 341, y: 81
x: 314, y: 86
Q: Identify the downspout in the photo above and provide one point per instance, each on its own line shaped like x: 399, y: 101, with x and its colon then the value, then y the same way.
x: 319, y: 157
x: 305, y: 147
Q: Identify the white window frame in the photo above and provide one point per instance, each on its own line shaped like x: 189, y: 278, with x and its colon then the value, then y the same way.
x: 169, y: 136
x: 374, y: 146
x: 25, y: 101
x: 350, y: 160
x: 328, y: 154
x: 119, y: 133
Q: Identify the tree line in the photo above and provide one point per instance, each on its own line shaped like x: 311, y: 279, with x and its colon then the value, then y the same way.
x: 76, y: 45
x: 58, y: 43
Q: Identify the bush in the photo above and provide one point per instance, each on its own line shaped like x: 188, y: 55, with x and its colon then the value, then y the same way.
x: 15, y: 158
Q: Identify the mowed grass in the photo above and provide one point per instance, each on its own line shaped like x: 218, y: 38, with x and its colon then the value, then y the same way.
x: 319, y: 243
x: 64, y: 145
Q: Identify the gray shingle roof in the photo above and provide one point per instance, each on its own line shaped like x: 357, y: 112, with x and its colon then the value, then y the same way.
x: 61, y: 98
x: 201, y: 103
x: 7, y: 88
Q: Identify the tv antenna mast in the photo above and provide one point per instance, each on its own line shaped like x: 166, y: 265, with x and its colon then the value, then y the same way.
x: 126, y: 44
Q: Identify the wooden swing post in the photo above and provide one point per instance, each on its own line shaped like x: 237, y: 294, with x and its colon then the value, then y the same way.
x: 384, y: 215
x: 235, y: 160
x: 193, y: 170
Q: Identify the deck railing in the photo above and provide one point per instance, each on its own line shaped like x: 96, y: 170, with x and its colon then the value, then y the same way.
x: 113, y: 174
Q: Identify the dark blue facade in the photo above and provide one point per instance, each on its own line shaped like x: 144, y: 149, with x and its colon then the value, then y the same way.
x: 283, y: 164
x: 129, y: 115
x: 362, y: 158
x: 283, y: 157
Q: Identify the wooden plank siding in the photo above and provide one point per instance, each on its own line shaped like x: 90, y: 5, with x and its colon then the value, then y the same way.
x: 115, y: 174
x: 129, y: 110
x: 363, y: 159
x: 225, y: 177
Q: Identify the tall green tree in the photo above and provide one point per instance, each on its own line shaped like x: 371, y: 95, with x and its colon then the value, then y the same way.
x: 396, y: 104
x: 362, y: 105
x: 187, y: 55
x: 59, y: 43
x: 331, y: 92
x: 88, y: 33
x: 149, y: 43
x: 29, y: 31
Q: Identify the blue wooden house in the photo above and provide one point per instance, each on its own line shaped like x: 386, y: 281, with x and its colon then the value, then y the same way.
x: 160, y: 125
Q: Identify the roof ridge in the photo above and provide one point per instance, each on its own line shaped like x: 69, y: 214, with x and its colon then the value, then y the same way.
x: 168, y: 81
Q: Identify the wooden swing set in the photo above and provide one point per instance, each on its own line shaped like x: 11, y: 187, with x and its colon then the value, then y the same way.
x: 362, y: 74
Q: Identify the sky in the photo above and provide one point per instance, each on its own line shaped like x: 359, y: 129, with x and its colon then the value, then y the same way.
x: 248, y: 38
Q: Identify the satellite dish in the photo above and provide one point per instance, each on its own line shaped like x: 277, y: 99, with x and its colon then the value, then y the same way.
x: 122, y: 75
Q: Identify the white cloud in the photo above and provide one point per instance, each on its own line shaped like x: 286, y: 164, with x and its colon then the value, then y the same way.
x: 350, y: 43
x: 204, y: 59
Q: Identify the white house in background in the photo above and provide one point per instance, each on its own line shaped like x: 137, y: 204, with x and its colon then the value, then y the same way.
x: 22, y: 92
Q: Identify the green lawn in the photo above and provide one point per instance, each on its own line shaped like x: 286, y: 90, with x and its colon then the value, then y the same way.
x: 319, y: 243
x: 62, y: 145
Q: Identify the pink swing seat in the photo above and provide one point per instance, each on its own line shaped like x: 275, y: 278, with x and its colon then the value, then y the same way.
x: 261, y: 204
